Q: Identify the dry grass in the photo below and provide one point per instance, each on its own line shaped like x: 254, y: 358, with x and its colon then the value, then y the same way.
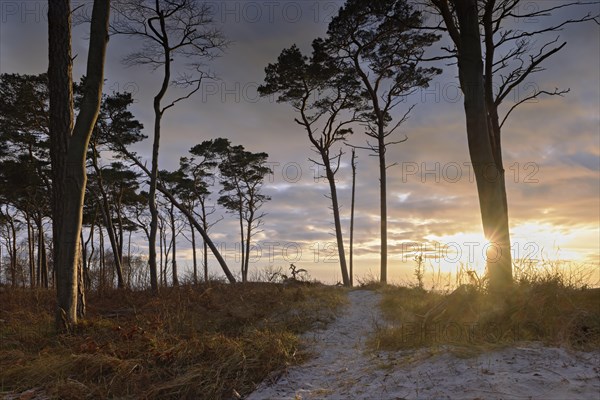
x: 551, y: 305
x: 203, y: 342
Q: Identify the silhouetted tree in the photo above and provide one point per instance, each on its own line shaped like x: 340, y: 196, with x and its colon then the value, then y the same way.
x: 487, y: 77
x: 321, y: 92
x: 242, y: 176
x: 173, y: 182
x: 24, y: 155
x: 115, y: 122
x: 378, y: 41
x: 184, y: 210
x: 198, y: 170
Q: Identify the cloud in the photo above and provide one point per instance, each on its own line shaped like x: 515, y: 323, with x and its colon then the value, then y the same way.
x: 551, y: 147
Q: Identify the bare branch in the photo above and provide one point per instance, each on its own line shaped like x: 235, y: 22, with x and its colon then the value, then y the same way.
x: 556, y: 92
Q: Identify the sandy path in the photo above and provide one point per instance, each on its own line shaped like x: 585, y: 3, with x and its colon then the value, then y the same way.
x: 341, y: 369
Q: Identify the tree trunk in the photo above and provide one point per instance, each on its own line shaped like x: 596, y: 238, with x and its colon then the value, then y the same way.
x: 84, y: 264
x: 383, y: 204
x: 195, y: 260
x: 174, y: 240
x: 158, y: 112
x: 129, y: 271
x: 42, y: 274
x: 336, y: 219
x: 87, y: 277
x: 61, y: 125
x: 352, y: 201
x: 101, y: 260
x: 242, y: 252
x: 205, y: 256
x: 81, y: 303
x: 110, y: 227
x: 189, y: 215
x: 203, y: 233
x: 489, y: 174
x: 161, y: 250
x: 248, y: 238
x: 204, y: 244
x: 31, y: 251
x: 13, y: 252
x: 69, y: 146
x: 119, y: 233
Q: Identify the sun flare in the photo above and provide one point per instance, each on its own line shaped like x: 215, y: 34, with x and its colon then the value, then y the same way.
x: 536, y: 243
x: 466, y: 249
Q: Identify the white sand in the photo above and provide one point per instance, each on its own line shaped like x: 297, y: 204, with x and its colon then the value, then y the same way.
x: 342, y: 369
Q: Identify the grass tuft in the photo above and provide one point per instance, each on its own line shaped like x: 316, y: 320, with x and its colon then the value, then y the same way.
x: 550, y: 305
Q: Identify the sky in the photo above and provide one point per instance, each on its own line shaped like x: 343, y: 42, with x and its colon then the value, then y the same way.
x: 551, y: 147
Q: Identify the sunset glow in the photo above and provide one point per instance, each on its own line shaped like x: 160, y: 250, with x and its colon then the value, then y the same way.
x: 550, y: 149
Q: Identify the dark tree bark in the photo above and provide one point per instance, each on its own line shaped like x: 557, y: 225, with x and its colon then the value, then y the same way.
x: 174, y: 244
x: 42, y: 275
x: 69, y: 146
x: 108, y: 221
x: 194, y: 256
x: 352, y: 202
x: 30, y: 250
x: 511, y: 56
x: 489, y: 174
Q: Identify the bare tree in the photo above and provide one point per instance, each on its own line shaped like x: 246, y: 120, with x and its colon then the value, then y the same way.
x: 493, y: 60
x: 169, y: 29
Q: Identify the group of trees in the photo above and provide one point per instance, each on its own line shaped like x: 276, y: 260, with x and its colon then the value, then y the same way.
x: 358, y: 74
x: 65, y: 148
x: 373, y: 57
x: 115, y: 205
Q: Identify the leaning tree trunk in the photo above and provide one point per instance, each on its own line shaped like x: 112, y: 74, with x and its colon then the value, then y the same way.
x: 189, y: 214
x: 69, y: 146
x: 204, y: 244
x: 352, y: 203
x: 108, y: 221
x: 489, y: 174
x: 194, y: 256
x: 336, y: 219
x: 174, y: 239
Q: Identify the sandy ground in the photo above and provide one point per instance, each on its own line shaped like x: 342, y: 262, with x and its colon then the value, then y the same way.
x: 342, y: 369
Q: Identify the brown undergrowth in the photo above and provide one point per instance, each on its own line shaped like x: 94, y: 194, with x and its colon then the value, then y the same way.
x: 198, y: 342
